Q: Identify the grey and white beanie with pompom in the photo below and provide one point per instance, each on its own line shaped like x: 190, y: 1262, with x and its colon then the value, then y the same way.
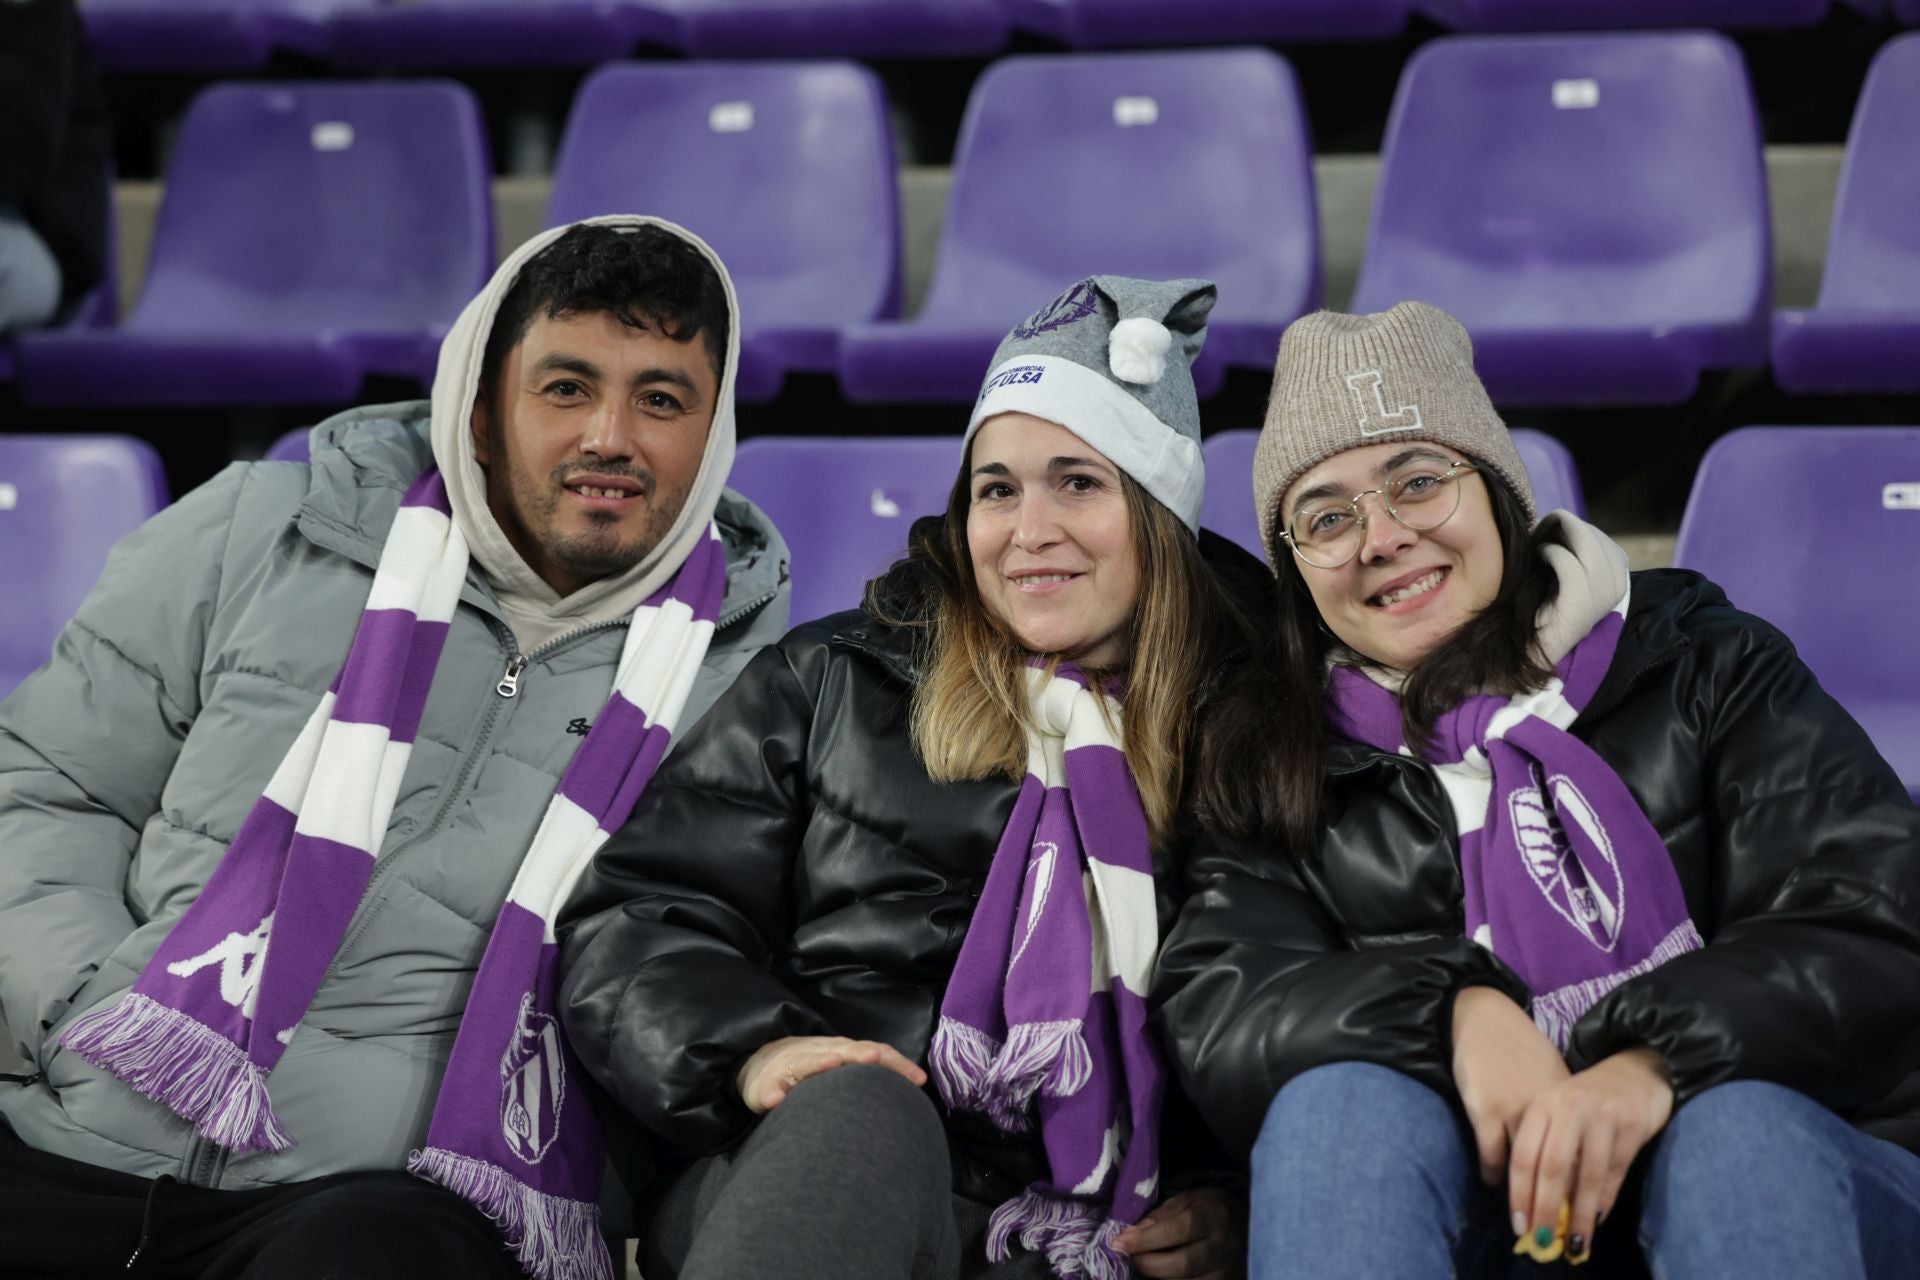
x: 1111, y: 360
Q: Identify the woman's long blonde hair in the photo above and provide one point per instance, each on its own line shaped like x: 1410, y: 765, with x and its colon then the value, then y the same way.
x: 970, y: 714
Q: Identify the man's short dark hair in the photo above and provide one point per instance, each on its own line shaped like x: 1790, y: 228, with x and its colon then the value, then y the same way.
x: 644, y: 276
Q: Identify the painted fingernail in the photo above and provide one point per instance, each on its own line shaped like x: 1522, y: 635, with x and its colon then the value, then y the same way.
x: 1519, y: 1223
x: 1579, y: 1249
x: 1542, y: 1236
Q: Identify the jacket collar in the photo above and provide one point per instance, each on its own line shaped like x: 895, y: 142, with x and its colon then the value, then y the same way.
x: 364, y: 459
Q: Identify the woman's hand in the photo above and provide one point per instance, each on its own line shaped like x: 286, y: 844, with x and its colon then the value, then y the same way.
x: 1195, y: 1235
x: 1578, y: 1138
x: 1501, y: 1063
x: 768, y: 1076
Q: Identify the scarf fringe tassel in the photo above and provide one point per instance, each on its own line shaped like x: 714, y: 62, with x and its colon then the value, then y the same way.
x: 1050, y: 1058
x: 961, y: 1057
x: 1555, y: 1012
x: 553, y: 1237
x: 190, y: 1069
x: 1076, y: 1237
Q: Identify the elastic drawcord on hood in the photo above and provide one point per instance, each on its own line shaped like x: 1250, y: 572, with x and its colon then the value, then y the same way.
x: 534, y: 610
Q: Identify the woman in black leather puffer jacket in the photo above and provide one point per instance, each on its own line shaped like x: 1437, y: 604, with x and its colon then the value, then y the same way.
x: 1344, y: 993
x: 758, y: 963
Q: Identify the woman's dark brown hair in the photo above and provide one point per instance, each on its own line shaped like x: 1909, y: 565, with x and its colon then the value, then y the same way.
x: 1262, y: 760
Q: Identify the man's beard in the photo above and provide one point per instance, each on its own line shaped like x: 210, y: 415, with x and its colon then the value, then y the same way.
x: 601, y: 553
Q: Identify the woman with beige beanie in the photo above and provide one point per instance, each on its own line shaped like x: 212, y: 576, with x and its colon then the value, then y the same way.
x: 1546, y: 908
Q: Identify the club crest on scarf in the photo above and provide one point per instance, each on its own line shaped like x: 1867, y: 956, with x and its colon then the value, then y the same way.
x: 533, y: 1084
x: 1591, y: 899
x: 1044, y: 1020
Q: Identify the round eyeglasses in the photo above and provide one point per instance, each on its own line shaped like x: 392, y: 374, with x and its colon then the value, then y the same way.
x: 1422, y: 495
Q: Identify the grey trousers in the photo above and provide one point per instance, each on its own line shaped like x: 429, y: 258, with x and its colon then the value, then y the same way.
x: 29, y: 277
x: 848, y: 1179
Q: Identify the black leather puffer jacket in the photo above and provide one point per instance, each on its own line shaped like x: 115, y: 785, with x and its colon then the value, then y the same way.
x: 1797, y: 848
x: 791, y: 870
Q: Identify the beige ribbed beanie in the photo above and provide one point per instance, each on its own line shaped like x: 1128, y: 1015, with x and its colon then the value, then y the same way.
x: 1344, y: 381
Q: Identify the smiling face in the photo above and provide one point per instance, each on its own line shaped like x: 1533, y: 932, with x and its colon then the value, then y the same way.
x: 1405, y: 592
x: 591, y: 436
x: 1051, y: 543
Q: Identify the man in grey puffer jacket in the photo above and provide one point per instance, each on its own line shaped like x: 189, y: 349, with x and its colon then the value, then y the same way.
x: 583, y: 422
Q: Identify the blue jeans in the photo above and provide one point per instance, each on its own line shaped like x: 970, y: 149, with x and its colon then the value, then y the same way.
x: 1361, y: 1171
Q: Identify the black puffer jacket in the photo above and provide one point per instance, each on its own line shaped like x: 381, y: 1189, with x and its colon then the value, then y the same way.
x: 1797, y: 848
x: 791, y: 870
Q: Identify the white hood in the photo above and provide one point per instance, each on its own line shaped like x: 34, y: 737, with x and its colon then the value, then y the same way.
x: 533, y: 609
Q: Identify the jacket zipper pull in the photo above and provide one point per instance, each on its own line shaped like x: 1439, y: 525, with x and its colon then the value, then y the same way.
x: 510, y: 682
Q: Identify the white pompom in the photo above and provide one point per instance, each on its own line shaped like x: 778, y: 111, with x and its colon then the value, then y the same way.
x: 1137, y: 351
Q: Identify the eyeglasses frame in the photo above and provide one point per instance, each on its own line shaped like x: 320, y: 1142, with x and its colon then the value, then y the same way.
x: 1452, y: 474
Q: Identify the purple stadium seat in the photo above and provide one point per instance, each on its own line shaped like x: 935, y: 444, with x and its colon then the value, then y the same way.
x: 1159, y: 165
x: 95, y: 312
x: 1550, y: 469
x: 440, y: 34
x: 1621, y: 15
x: 1593, y: 209
x: 1100, y: 24
x: 311, y: 234
x: 64, y: 501
x: 842, y: 28
x: 844, y: 505
x: 206, y: 35
x: 785, y: 168
x: 1228, y: 509
x: 1865, y: 333
x: 291, y: 447
x: 1817, y: 529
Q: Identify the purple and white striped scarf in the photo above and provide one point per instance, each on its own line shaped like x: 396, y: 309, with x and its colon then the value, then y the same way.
x: 1045, y: 1017
x: 212, y: 1013
x: 1565, y: 878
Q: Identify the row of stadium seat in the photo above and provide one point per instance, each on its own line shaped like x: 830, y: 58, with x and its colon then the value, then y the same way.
x: 1594, y: 209
x: 225, y: 36
x: 1805, y: 526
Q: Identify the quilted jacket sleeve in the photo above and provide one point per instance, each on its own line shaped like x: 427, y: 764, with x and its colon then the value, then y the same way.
x: 670, y: 940
x: 1811, y: 975
x: 1257, y: 986
x: 86, y: 746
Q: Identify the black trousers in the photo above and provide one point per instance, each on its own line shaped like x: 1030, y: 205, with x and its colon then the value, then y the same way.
x: 61, y: 1217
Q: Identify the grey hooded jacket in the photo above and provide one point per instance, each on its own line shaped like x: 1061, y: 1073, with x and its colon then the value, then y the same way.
x: 128, y: 763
